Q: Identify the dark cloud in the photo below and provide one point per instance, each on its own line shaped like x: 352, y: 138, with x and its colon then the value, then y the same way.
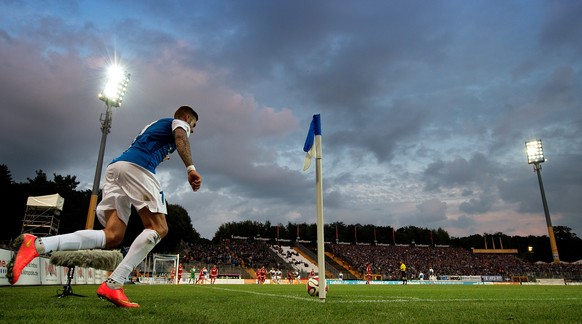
x: 466, y: 222
x: 432, y: 211
x: 479, y: 205
x: 562, y: 28
x: 425, y: 105
x: 458, y: 172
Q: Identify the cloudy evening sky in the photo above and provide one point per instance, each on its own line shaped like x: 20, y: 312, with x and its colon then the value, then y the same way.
x: 425, y: 105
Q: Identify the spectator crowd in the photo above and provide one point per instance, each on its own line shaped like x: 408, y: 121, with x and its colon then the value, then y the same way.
x: 384, y: 260
x: 246, y: 254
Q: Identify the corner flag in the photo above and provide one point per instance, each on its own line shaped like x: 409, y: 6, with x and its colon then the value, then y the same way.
x: 309, y: 147
x: 313, y: 148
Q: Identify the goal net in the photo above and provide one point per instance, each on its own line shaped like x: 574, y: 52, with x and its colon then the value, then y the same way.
x: 164, y: 265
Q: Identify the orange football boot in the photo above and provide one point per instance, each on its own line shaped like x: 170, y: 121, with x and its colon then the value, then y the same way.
x: 116, y: 296
x: 26, y: 252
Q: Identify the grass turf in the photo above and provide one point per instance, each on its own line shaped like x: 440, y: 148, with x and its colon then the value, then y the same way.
x: 292, y: 304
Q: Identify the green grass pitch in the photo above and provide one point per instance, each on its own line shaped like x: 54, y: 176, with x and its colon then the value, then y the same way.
x: 292, y: 304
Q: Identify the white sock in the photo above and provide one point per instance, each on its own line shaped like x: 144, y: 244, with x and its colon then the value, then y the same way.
x: 139, y: 249
x: 79, y: 240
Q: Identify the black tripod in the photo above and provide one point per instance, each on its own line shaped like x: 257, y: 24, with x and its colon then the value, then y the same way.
x: 67, y: 289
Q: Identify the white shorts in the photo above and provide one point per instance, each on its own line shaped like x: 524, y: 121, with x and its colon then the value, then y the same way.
x: 128, y: 184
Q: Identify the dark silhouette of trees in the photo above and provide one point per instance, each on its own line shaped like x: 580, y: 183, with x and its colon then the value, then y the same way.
x: 246, y: 228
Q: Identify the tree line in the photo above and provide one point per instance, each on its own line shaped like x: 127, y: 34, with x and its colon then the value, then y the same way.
x: 73, y: 217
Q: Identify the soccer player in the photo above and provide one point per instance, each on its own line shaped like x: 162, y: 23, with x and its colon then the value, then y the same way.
x: 129, y: 180
x: 272, y: 275
x: 213, y: 274
x: 180, y: 272
x: 201, y: 276
x: 403, y: 273
x: 368, y: 273
x: 192, y: 275
x: 277, y: 276
x: 312, y: 273
x: 261, y: 274
x: 172, y: 276
x: 341, y: 276
x: 290, y: 276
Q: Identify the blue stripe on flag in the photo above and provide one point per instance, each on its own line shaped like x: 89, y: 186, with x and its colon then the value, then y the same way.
x: 314, y: 129
x: 311, y: 152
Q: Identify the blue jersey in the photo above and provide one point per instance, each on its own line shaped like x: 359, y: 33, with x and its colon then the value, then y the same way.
x: 153, y: 144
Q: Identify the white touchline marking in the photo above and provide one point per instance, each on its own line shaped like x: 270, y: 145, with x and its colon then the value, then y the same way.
x: 266, y: 294
x: 424, y: 300
x: 395, y: 299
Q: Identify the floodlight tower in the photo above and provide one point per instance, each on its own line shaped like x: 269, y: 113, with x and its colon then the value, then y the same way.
x: 112, y: 95
x: 535, y: 156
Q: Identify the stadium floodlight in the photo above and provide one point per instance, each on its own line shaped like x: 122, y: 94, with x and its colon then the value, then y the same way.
x: 534, y: 151
x: 112, y: 95
x: 535, y: 155
x: 117, y: 81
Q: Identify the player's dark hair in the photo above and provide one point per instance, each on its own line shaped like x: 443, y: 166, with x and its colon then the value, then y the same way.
x: 185, y: 110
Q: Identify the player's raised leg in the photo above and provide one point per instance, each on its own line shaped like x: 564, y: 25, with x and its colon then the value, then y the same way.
x: 28, y: 247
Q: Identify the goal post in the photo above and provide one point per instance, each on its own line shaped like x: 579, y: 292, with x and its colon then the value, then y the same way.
x: 165, y: 263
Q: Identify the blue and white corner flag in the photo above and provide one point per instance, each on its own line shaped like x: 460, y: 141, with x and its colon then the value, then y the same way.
x: 311, y: 145
x: 313, y: 149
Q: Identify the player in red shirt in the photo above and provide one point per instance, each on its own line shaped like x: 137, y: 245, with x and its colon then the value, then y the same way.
x: 261, y: 274
x: 290, y: 276
x: 368, y: 273
x: 180, y: 271
x: 172, y: 275
x: 312, y: 273
x: 201, y: 276
x: 213, y: 274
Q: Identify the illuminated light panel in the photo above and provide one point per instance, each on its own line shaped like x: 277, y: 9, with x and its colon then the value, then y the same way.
x: 116, y: 86
x: 534, y: 151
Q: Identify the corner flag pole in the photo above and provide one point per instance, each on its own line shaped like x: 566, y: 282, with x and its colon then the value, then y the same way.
x: 320, y: 224
x: 313, y: 148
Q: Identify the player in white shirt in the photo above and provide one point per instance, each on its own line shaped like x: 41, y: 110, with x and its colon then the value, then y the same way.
x: 278, y: 276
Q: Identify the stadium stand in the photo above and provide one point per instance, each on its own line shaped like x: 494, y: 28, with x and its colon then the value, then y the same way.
x: 299, y: 263
x: 237, y: 255
x: 447, y: 261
